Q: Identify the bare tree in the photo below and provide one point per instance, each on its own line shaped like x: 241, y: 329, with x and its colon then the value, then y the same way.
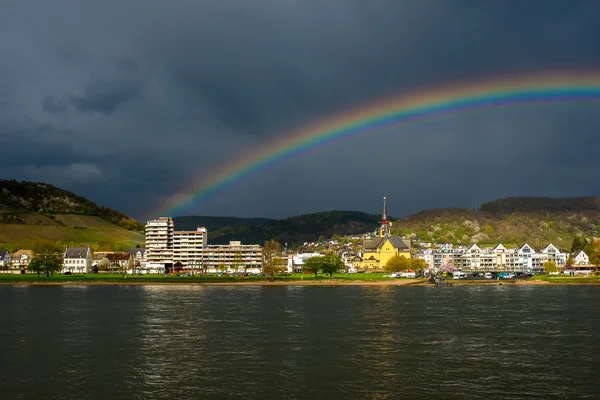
x: 272, y: 263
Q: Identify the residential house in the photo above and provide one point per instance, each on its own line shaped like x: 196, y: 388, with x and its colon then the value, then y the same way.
x: 119, y: 261
x: 77, y: 260
x: 295, y: 261
x: 4, y: 259
x: 20, y: 261
x: 138, y: 258
x: 376, y: 252
x: 580, y: 258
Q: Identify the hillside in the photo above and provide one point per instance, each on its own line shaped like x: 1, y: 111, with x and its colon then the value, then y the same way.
x: 293, y: 230
x: 515, y: 220
x: 34, y: 213
x: 190, y: 223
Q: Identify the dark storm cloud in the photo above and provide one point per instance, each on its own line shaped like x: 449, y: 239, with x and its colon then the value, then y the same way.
x: 140, y: 106
x: 52, y: 105
x: 105, y: 96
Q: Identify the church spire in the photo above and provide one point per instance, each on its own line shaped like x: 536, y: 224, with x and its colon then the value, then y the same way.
x: 385, y: 223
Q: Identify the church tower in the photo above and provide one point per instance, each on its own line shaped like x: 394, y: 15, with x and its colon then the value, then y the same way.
x: 384, y: 230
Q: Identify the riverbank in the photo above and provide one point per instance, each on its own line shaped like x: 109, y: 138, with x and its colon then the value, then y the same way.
x: 376, y: 279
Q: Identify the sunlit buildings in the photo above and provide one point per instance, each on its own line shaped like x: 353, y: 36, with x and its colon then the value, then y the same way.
x: 159, y: 244
x: 168, y: 250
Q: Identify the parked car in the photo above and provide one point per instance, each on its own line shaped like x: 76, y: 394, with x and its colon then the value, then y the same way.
x: 488, y: 275
x: 409, y: 274
x: 459, y: 275
x: 506, y: 275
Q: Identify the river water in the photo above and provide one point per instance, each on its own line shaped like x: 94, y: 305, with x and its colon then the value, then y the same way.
x: 293, y: 342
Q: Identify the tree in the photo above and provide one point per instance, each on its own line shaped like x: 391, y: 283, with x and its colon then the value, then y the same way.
x: 570, y: 260
x: 396, y: 264
x: 418, y: 264
x: 550, y: 266
x: 238, y: 261
x: 313, y: 265
x: 48, y: 262
x: 578, y: 244
x: 595, y: 253
x: 36, y: 266
x: 332, y: 263
x: 271, y: 262
x: 104, y: 264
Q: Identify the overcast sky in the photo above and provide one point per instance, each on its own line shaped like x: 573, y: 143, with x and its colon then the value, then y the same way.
x: 125, y: 101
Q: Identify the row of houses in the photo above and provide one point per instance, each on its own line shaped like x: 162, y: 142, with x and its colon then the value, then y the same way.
x: 520, y: 259
x: 76, y: 260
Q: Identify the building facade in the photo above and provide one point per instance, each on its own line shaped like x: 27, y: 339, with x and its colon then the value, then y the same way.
x: 189, y: 246
x: 4, y: 259
x: 159, y: 244
x: 232, y: 257
x: 20, y: 260
x: 296, y: 261
x: 377, y: 252
x: 498, y: 258
x: 581, y: 258
x: 77, y: 260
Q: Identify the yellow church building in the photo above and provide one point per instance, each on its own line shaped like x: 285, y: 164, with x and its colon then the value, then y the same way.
x: 377, y: 252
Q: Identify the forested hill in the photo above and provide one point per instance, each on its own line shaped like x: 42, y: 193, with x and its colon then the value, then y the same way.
x: 190, y: 223
x: 292, y: 230
x: 514, y: 220
x: 21, y: 197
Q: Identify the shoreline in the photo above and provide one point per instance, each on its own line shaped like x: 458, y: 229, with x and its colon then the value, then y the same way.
x: 333, y: 282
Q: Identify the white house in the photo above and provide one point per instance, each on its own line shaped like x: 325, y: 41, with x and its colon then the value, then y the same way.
x: 77, y: 260
x: 4, y: 258
x: 580, y: 258
x: 295, y: 261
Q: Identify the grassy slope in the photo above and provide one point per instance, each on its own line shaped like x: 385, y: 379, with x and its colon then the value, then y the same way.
x: 77, y: 230
x: 511, y: 221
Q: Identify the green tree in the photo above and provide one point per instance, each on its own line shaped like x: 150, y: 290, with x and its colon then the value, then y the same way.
x: 271, y: 260
x: 550, y: 266
x: 36, y: 266
x: 238, y: 261
x: 397, y: 264
x: 48, y: 262
x: 570, y: 260
x: 578, y: 244
x: 418, y: 264
x: 313, y: 265
x: 332, y: 263
x: 595, y: 253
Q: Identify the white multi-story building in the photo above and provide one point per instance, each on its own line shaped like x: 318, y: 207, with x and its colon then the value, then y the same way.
x: 159, y: 244
x: 77, y: 260
x: 498, y: 258
x: 189, y: 246
x: 233, y: 256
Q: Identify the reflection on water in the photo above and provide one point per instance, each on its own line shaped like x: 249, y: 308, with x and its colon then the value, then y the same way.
x: 296, y: 342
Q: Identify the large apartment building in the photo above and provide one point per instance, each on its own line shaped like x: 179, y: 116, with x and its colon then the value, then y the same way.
x: 188, y: 247
x: 497, y: 258
x: 233, y: 256
x: 167, y: 248
x: 159, y: 244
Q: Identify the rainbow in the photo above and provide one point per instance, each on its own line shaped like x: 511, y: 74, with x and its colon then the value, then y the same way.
x: 565, y: 87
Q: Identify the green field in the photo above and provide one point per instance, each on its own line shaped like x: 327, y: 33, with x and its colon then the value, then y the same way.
x: 76, y: 230
x: 159, y: 278
x: 567, y: 279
